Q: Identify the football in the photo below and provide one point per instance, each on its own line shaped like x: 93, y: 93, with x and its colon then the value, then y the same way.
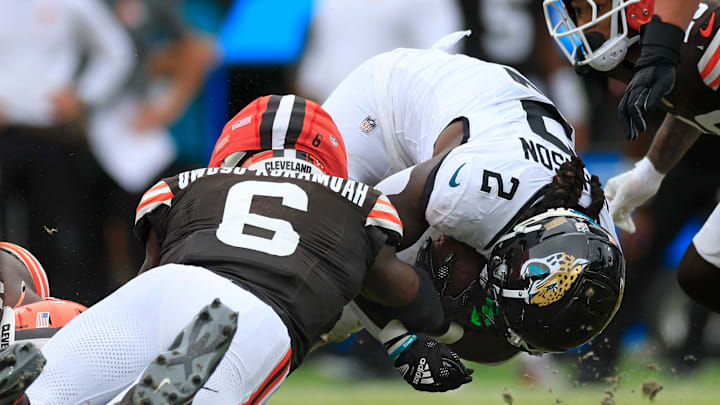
x: 468, y: 263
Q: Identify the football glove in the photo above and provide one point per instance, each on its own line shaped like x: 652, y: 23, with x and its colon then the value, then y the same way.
x: 629, y: 190
x: 441, y: 275
x: 654, y: 74
x: 426, y: 364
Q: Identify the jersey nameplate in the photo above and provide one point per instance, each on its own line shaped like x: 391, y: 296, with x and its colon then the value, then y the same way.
x: 539, y: 153
x: 351, y: 190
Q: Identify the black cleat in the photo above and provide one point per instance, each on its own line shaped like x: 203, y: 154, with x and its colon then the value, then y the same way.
x: 174, y: 377
x: 20, y: 365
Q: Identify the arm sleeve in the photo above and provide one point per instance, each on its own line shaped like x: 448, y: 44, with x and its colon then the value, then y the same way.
x: 423, y: 314
x: 110, y: 52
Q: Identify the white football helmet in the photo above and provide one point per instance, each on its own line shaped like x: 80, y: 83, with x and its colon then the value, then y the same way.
x: 572, y: 40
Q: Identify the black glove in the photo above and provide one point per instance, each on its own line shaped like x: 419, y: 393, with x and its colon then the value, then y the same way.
x: 426, y: 364
x: 654, y: 74
x: 441, y: 275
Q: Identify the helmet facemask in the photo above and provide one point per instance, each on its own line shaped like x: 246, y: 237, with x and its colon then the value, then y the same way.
x: 577, y: 42
x: 558, y: 279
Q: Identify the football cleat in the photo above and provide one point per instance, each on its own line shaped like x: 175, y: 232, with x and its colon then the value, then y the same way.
x: 20, y: 365
x: 174, y: 377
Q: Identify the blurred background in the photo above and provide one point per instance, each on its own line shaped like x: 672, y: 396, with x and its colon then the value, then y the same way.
x: 101, y: 98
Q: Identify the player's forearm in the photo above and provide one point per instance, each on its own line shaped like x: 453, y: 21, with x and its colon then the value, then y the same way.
x: 419, y: 307
x: 677, y: 12
x: 195, y: 56
x: 670, y: 144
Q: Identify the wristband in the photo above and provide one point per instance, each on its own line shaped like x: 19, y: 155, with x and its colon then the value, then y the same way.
x: 396, y: 338
x: 665, y: 39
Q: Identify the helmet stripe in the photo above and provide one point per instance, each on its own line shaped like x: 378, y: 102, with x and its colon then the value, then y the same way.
x: 282, y: 121
x: 297, y: 121
x: 266, y: 122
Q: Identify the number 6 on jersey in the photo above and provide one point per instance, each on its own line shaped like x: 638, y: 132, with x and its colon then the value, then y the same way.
x: 237, y: 215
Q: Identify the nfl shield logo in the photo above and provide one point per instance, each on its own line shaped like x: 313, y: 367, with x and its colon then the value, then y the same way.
x: 368, y: 124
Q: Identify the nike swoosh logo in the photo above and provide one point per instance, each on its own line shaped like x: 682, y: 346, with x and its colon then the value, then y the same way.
x: 708, y: 30
x: 162, y: 383
x: 453, y: 183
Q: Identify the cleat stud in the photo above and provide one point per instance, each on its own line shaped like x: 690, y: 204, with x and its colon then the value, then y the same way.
x: 147, y: 380
x: 161, y: 360
x: 175, y: 352
x: 215, y: 303
x: 227, y: 331
x: 173, y: 396
x: 196, y: 379
x: 146, y: 401
x: 26, y: 347
x: 204, y: 315
x: 233, y: 316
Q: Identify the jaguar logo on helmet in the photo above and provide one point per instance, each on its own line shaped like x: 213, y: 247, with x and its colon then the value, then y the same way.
x: 557, y: 284
x: 560, y: 272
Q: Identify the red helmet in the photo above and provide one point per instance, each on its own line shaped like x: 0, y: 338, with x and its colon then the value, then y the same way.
x: 32, y: 265
x: 48, y: 313
x: 281, y: 123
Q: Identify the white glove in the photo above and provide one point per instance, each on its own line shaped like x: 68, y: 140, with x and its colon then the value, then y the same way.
x: 629, y: 190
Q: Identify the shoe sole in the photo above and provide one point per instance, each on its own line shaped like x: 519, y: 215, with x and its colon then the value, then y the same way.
x: 20, y: 365
x: 175, y: 376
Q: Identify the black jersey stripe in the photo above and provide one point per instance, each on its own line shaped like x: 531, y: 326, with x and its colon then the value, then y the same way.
x: 266, y: 122
x: 297, y: 119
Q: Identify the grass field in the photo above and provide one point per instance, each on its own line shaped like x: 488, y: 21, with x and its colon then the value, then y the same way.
x: 310, y: 386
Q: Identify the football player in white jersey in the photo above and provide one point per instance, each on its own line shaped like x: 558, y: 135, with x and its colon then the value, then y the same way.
x: 474, y: 151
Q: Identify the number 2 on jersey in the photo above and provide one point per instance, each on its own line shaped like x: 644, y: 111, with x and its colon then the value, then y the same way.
x: 237, y: 215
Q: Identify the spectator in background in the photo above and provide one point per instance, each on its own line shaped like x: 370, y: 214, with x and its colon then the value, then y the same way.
x: 60, y: 60
x: 513, y: 33
x: 208, y: 112
x: 130, y: 136
x: 344, y: 33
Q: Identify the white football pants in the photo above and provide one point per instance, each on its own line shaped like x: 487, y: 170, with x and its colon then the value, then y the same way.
x: 707, y: 240
x: 103, y: 351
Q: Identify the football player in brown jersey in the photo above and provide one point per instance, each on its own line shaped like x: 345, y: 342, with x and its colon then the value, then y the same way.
x: 603, y: 35
x: 284, y: 240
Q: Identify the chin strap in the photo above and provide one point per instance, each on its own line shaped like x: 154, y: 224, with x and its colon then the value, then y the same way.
x: 515, y: 340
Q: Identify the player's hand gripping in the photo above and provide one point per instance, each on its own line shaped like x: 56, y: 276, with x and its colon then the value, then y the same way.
x: 629, y: 190
x: 654, y: 74
x: 426, y: 364
x: 441, y: 275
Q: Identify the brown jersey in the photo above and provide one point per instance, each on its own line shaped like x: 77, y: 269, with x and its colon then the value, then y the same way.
x: 695, y: 99
x: 303, y: 245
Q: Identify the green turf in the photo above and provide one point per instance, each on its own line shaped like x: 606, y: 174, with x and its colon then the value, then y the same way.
x: 310, y: 385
